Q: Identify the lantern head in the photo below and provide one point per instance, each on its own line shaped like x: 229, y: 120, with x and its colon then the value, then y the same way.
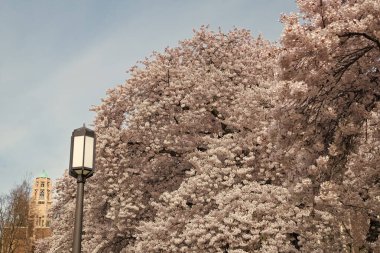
x: 82, y: 152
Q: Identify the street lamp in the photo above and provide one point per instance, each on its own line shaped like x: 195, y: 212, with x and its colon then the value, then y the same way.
x: 82, y: 164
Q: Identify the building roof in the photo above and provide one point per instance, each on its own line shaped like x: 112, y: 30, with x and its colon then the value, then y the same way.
x: 43, y: 174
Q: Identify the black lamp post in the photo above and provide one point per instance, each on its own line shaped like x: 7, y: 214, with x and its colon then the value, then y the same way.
x: 82, y: 164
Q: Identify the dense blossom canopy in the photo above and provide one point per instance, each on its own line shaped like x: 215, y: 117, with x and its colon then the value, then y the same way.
x: 228, y: 143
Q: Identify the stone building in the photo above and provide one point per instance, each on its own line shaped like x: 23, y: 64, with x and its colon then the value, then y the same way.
x: 41, y: 202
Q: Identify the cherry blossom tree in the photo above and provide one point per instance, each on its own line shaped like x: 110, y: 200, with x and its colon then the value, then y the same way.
x: 168, y: 111
x: 331, y: 55
x: 334, y: 55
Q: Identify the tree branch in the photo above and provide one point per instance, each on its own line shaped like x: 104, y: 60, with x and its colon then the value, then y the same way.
x: 359, y: 34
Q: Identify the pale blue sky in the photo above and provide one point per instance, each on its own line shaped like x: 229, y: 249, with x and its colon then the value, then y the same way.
x: 58, y: 58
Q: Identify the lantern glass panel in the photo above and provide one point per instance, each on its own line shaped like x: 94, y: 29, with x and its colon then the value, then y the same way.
x: 78, y: 171
x: 78, y: 151
x: 89, y: 152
